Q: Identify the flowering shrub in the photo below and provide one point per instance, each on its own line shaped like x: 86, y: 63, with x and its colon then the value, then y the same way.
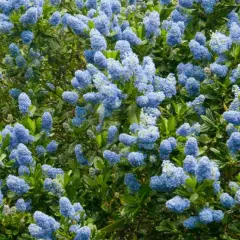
x: 120, y: 119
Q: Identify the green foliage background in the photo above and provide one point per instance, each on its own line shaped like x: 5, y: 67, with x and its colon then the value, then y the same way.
x: 114, y: 213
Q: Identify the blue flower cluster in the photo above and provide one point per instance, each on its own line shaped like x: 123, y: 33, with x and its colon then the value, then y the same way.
x: 188, y: 70
x: 17, y: 185
x: 70, y: 97
x: 45, y: 226
x: 79, y: 155
x: 197, y: 105
x: 220, y: 43
x: 111, y: 157
x: 80, y: 113
x: 198, y: 49
x: 70, y: 211
x: 131, y: 182
x: 55, y: 19
x: 50, y: 171
x: 136, y: 159
x: 52, y: 147
x: 191, y: 147
x: 166, y: 147
x: 47, y: 122
x: 53, y: 186
x: 83, y: 233
x: 171, y: 178
x: 24, y: 102
x: 5, y: 24
x: 178, y: 204
x: 112, y: 134
x: 27, y: 37
x: 226, y: 200
x: 186, y: 130
x: 23, y: 206
x: 18, y: 134
x: 116, y: 78
x: 207, y: 169
x: 152, y: 24
x: 206, y: 216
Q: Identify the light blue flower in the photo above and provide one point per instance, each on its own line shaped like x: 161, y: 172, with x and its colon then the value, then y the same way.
x: 21, y: 61
x: 55, y: 19
x: 184, y: 130
x: 66, y: 208
x: 206, y: 215
x: 55, y: 2
x: 52, y: 147
x: 178, y: 204
x: 47, y: 122
x: 232, y: 117
x: 220, y: 43
x: 30, y: 17
x: 191, y: 222
x: 171, y: 178
x: 131, y: 37
x: 27, y: 37
x: 91, y: 4
x: 192, y: 86
x: 226, y: 200
x: 98, y: 41
x: 100, y: 60
x: 40, y: 150
x: 165, y: 149
x: 24, y: 103
x: 208, y: 5
x: 83, y: 233
x: 219, y: 70
x: 131, y: 182
x: 218, y: 215
x: 112, y: 157
x: 50, y: 171
x: 200, y: 38
x: 17, y: 185
x: 191, y: 147
x: 70, y: 97
x: 45, y: 226
x: 190, y: 164
x: 186, y: 3
x: 152, y: 24
x: 14, y: 50
x: 102, y: 24
x: 136, y: 159
x: 24, y: 156
x: 112, y: 132
x: 79, y: 155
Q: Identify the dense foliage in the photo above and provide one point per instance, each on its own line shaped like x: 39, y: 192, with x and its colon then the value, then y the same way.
x: 119, y: 119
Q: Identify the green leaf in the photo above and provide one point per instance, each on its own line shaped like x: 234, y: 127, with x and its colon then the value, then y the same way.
x: 99, y: 140
x: 32, y: 110
x: 31, y: 125
x: 112, y: 227
x: 6, y: 141
x: 98, y: 163
x: 90, y: 181
x: 2, y: 157
x: 167, y: 226
x: 106, y: 207
x: 191, y: 182
x: 172, y: 124
x: 91, y: 24
x: 208, y: 121
x: 132, y: 114
x: 194, y: 197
